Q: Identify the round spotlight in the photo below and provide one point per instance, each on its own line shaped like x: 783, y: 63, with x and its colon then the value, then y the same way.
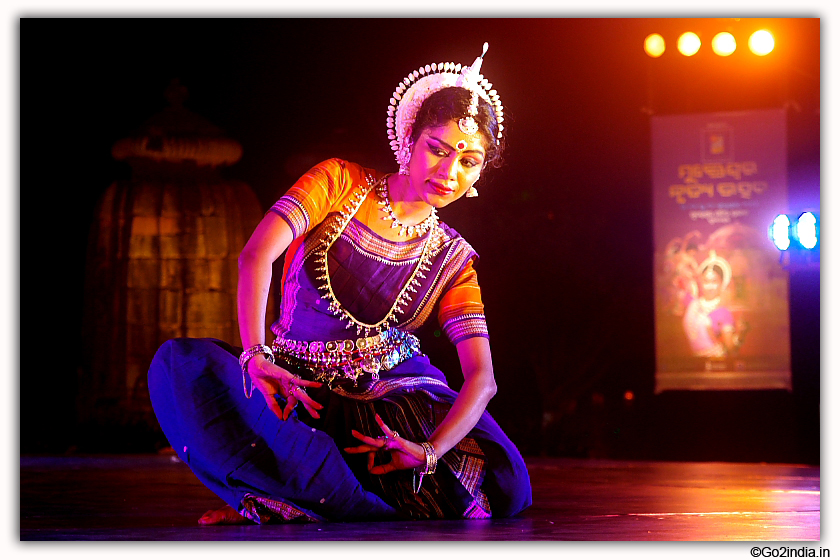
x: 654, y: 45
x: 688, y: 43
x: 723, y: 44
x: 780, y: 232
x: 762, y: 42
x: 807, y: 231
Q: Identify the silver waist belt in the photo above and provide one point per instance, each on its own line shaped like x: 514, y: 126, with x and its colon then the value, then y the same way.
x: 348, y: 359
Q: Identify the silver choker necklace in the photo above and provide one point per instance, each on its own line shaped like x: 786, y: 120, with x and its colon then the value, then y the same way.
x: 417, y: 229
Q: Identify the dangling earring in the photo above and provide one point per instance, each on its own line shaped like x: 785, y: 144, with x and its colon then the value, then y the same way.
x: 472, y: 192
x: 404, y: 158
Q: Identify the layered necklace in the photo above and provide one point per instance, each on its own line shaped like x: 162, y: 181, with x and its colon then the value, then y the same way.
x: 333, y: 232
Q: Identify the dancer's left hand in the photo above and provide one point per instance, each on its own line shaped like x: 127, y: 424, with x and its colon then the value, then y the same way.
x: 404, y: 454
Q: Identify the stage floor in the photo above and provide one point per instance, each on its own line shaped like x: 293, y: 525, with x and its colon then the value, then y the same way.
x: 156, y: 498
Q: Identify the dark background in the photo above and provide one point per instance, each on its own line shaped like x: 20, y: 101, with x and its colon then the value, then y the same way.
x: 564, y: 229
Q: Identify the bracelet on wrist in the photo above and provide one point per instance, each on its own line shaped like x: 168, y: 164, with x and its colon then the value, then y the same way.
x: 428, y: 468
x: 245, y: 357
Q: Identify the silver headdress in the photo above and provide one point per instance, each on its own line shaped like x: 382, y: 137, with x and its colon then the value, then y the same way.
x: 420, y: 84
x: 714, y: 260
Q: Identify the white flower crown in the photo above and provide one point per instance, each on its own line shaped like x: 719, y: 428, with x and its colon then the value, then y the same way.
x: 420, y: 84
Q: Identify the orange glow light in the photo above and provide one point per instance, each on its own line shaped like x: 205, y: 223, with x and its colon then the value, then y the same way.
x: 762, y: 42
x: 723, y: 44
x: 688, y: 43
x: 629, y: 396
x: 654, y: 45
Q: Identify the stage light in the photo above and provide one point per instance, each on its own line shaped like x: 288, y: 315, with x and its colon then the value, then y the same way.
x: 762, y: 43
x: 796, y: 235
x: 654, y: 45
x: 798, y: 240
x: 723, y: 44
x: 806, y: 230
x: 780, y: 232
x: 688, y: 43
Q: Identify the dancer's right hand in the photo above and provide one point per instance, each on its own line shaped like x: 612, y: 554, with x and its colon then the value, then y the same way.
x: 272, y: 380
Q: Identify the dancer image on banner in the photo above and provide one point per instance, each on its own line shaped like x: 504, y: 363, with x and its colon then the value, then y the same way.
x: 379, y: 433
x: 710, y: 327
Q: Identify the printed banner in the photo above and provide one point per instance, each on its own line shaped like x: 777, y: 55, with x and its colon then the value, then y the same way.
x: 721, y: 294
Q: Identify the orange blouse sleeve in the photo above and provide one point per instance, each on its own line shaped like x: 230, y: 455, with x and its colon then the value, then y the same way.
x: 320, y: 190
x: 461, y: 312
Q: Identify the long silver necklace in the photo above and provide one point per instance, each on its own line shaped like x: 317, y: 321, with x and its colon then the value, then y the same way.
x: 403, y: 299
x: 384, y: 202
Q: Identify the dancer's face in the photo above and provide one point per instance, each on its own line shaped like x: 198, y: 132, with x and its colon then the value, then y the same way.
x: 711, y: 284
x: 445, y: 163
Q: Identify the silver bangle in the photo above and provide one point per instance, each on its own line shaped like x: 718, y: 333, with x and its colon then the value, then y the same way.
x: 245, y: 357
x: 430, y: 467
x: 431, y: 458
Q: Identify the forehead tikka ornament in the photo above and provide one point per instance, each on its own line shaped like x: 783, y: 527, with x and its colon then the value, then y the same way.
x: 420, y: 84
x: 467, y: 124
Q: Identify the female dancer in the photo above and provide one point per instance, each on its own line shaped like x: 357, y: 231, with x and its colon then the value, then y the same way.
x: 379, y: 433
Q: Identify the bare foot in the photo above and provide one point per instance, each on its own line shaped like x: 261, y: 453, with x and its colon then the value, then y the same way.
x: 223, y: 516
